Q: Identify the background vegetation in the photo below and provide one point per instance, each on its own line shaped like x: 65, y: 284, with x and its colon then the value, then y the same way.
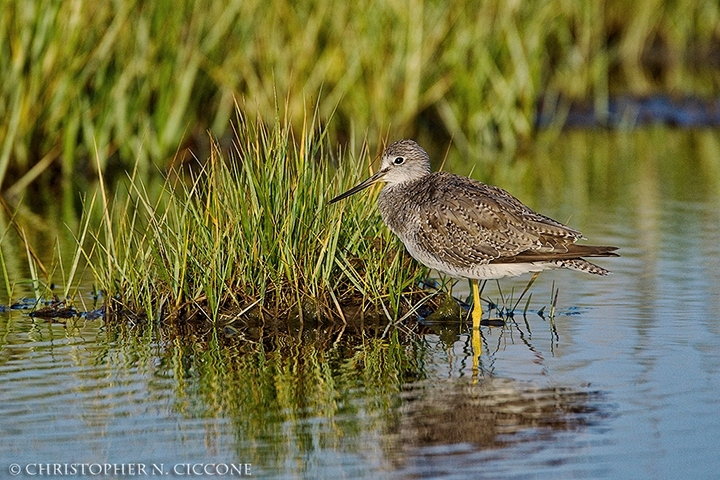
x: 131, y: 80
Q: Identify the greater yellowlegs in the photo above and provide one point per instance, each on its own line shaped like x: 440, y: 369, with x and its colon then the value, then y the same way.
x: 467, y: 229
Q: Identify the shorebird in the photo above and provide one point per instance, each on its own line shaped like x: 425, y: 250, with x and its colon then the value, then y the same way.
x: 466, y: 229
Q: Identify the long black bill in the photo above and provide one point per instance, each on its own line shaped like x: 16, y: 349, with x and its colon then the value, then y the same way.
x: 360, y: 186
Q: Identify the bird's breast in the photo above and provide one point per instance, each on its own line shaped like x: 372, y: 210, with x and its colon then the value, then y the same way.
x: 402, y: 208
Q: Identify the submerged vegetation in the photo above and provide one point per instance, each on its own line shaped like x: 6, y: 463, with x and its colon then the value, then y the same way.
x: 132, y: 82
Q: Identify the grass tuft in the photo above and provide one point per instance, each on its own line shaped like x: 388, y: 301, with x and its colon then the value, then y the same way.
x: 252, y: 228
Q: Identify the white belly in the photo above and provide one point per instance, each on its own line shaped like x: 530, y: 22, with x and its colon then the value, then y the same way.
x: 486, y: 271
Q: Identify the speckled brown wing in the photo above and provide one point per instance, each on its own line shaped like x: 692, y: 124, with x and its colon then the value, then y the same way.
x: 467, y: 223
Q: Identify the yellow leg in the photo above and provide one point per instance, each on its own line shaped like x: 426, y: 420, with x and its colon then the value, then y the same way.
x: 475, y: 332
x: 477, y: 305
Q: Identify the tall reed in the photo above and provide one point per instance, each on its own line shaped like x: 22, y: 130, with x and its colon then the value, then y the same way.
x: 130, y: 81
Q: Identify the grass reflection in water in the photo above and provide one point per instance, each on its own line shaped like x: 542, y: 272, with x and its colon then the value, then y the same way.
x: 291, y: 395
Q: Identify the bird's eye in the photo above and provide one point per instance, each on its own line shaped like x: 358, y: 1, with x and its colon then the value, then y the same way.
x: 399, y: 160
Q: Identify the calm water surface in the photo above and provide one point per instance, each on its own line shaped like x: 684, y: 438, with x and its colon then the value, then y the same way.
x: 625, y: 383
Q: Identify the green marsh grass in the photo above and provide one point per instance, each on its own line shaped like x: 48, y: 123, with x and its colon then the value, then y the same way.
x: 250, y: 231
x: 130, y: 81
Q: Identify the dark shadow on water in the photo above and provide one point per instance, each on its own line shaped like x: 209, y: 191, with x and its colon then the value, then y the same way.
x: 631, y: 111
x: 451, y: 426
x: 492, y: 413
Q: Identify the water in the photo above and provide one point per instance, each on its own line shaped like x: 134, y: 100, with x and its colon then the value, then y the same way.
x: 624, y: 383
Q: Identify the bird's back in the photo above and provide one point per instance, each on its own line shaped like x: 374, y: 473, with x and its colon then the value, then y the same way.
x: 454, y: 223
